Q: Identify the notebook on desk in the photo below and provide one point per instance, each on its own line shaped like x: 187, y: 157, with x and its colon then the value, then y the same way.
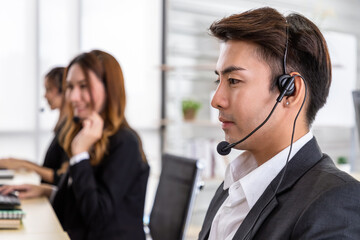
x: 10, y: 201
x: 10, y: 223
x: 10, y: 213
x: 11, y: 219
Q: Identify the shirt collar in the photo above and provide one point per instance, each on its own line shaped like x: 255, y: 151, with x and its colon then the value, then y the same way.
x: 245, y: 170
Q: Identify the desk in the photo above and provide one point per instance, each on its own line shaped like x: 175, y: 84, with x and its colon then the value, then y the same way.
x: 40, y: 221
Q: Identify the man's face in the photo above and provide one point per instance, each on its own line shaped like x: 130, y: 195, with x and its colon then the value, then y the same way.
x: 243, y: 95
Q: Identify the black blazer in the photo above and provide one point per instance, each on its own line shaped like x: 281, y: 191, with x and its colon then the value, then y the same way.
x: 315, y: 201
x: 106, y: 201
x: 54, y: 158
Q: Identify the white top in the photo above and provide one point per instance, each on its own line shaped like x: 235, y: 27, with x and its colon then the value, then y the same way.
x: 79, y: 157
x: 241, y: 175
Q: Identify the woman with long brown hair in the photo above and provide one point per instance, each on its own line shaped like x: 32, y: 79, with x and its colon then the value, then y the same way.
x: 102, y: 195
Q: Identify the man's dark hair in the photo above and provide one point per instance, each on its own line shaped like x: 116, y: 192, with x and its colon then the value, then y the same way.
x: 307, y: 49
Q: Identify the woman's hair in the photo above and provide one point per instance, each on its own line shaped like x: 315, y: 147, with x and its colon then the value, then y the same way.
x: 55, y: 77
x: 307, y: 49
x: 109, y: 71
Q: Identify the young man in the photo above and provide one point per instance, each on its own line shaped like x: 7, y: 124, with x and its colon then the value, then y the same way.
x: 263, y: 196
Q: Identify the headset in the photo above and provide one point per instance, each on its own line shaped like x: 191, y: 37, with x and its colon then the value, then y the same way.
x: 286, y: 87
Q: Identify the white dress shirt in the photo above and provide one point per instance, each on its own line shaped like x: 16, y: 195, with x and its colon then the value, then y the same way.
x: 246, y: 183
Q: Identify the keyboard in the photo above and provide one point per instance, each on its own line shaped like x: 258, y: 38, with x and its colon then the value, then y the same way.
x: 10, y: 201
x: 6, y: 174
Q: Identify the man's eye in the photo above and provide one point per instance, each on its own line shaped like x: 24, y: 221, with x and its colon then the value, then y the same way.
x: 233, y: 81
x: 83, y: 86
x: 217, y: 82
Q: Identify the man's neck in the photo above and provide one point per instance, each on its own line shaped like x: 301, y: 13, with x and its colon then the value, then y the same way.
x: 269, y: 150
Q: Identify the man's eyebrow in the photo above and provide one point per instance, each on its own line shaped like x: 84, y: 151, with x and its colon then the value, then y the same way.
x: 230, y: 69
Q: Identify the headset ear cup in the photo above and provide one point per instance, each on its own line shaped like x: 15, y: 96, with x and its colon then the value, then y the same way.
x: 283, y: 81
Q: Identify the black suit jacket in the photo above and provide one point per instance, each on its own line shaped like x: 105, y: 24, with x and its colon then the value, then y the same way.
x: 54, y: 158
x: 106, y: 201
x: 315, y: 201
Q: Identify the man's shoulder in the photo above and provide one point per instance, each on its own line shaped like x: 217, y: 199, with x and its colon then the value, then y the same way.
x: 325, y: 179
x: 326, y: 169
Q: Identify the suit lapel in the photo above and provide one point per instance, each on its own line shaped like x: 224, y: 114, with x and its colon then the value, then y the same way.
x: 257, y: 215
x: 215, y: 204
x: 303, y: 160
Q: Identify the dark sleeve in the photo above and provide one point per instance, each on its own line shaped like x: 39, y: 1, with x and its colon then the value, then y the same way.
x: 334, y: 214
x: 57, y: 178
x: 97, y: 197
x: 54, y: 157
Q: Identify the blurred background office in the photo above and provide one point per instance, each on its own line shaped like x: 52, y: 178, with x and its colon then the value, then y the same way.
x: 167, y: 57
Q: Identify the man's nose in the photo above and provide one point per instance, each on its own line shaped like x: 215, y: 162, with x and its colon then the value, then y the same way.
x: 220, y: 98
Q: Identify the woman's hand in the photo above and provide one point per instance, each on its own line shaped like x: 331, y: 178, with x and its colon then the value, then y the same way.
x: 27, y: 190
x: 12, y: 163
x: 90, y: 133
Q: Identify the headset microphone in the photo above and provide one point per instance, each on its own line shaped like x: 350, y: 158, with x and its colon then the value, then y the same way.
x: 223, y: 149
x: 76, y: 119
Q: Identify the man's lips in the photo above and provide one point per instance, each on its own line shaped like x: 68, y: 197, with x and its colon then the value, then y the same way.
x: 226, y: 123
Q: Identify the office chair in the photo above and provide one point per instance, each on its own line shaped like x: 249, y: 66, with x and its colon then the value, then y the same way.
x: 174, y: 198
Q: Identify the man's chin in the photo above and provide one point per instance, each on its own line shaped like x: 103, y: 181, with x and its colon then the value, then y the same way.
x: 231, y: 140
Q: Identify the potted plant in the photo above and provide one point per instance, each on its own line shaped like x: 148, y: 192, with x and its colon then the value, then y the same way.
x: 343, y: 164
x: 190, y: 108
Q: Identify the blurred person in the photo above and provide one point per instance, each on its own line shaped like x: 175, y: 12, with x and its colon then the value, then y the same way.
x: 55, y: 156
x: 102, y: 194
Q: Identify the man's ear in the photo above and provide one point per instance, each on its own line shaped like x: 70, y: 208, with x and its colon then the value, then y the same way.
x: 297, y: 97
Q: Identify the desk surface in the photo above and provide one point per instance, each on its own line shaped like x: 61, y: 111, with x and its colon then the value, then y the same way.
x: 40, y: 221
